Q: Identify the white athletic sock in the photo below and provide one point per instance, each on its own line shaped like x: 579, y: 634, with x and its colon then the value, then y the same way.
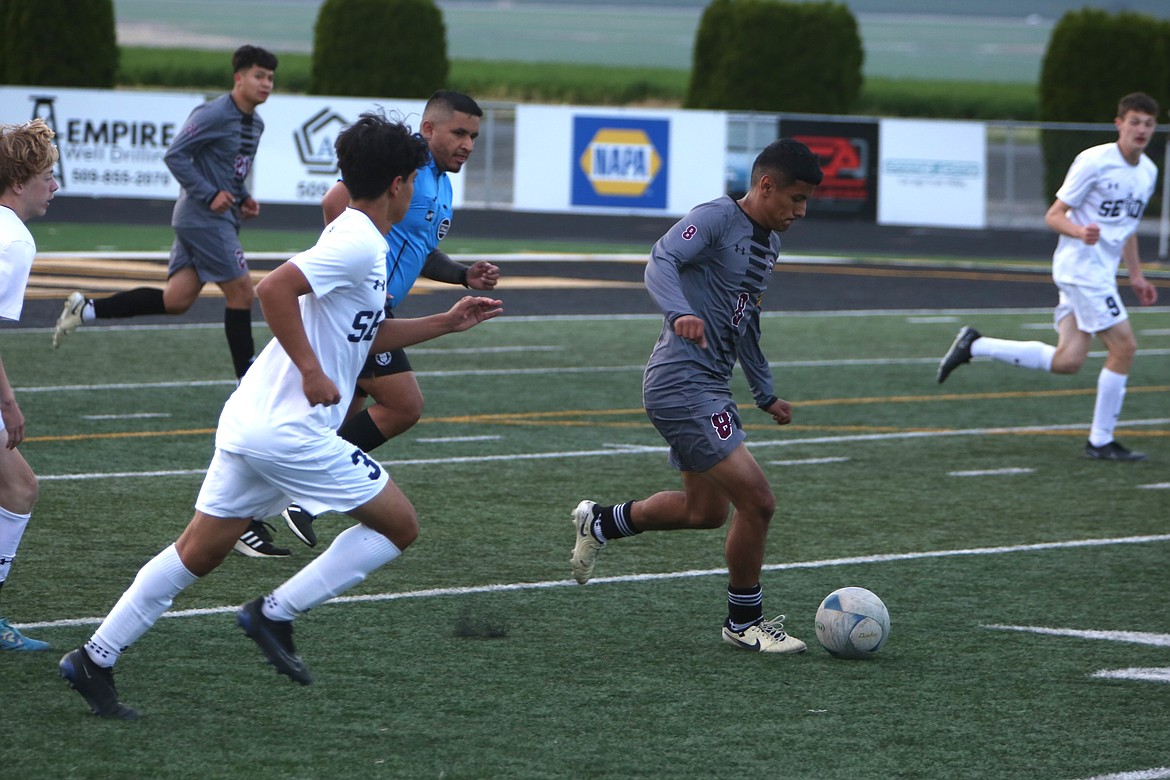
x: 87, y: 312
x: 355, y: 553
x: 1110, y: 396
x: 1025, y: 354
x: 150, y: 595
x: 12, y: 528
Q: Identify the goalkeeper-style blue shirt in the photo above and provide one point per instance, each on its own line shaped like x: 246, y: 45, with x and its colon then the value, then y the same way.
x: 427, y: 220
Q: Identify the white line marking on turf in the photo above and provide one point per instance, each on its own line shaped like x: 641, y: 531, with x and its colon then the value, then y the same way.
x: 137, y: 416
x: 661, y: 576
x: 991, y: 472
x: 1138, y: 673
x: 636, y: 449
x: 932, y: 320
x: 1142, y: 774
x: 1132, y: 637
x: 1156, y: 486
x: 455, y: 439
x: 806, y: 461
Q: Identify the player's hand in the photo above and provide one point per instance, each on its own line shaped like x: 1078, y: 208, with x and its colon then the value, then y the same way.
x: 691, y: 328
x: 469, y: 311
x: 781, y: 411
x: 222, y: 201
x: 1147, y: 294
x: 319, y: 389
x: 1091, y: 233
x: 249, y: 209
x: 482, y: 275
x: 13, y: 423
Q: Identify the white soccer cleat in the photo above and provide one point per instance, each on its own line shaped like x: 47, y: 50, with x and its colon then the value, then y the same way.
x: 586, y: 548
x: 767, y: 636
x: 70, y: 318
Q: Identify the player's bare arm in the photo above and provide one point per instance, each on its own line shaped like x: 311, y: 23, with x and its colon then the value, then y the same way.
x: 13, y: 419
x: 1147, y: 294
x: 334, y: 202
x: 781, y: 411
x: 467, y: 312
x: 691, y: 328
x: 278, y: 293
x: 1057, y: 219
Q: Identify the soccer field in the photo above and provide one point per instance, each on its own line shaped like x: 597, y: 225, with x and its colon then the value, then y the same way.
x: 1025, y: 584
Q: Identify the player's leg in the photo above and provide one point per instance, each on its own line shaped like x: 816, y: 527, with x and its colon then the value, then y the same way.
x: 18, y: 495
x: 971, y: 343
x: 1121, y: 344
x: 398, y: 403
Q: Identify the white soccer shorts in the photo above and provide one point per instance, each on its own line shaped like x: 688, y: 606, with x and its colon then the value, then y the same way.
x: 1096, y: 308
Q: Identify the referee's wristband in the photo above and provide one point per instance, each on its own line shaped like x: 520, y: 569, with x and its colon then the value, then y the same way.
x: 763, y: 405
x: 464, y: 280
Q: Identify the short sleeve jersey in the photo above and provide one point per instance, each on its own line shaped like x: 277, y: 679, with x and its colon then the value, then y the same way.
x: 17, y: 251
x: 427, y: 220
x: 213, y: 151
x: 715, y: 263
x: 1101, y: 186
x: 268, y: 415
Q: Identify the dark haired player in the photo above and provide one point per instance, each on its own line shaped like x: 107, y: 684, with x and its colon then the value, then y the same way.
x: 708, y: 275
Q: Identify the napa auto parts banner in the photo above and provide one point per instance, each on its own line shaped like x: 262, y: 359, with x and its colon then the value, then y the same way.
x: 932, y: 173
x: 111, y: 144
x: 617, y: 161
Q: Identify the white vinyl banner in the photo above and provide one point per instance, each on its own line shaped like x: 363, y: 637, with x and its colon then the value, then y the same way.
x: 111, y: 144
x: 617, y: 161
x: 296, y: 162
x: 932, y: 173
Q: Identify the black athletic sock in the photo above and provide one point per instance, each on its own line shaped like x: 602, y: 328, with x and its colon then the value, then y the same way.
x: 613, y: 522
x: 362, y: 431
x: 237, y: 324
x: 744, y: 606
x: 130, y: 303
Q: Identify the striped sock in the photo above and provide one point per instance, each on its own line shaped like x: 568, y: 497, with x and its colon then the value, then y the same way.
x: 745, y: 606
x: 613, y: 522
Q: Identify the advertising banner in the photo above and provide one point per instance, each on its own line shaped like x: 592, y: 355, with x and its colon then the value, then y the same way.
x: 618, y: 161
x: 296, y: 162
x: 848, y: 152
x: 932, y: 173
x: 111, y: 144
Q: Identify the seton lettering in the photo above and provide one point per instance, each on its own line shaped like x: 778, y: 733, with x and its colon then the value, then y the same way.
x: 1130, y: 207
x: 120, y: 131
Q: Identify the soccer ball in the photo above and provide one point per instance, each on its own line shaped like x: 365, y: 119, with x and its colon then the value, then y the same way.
x: 852, y: 623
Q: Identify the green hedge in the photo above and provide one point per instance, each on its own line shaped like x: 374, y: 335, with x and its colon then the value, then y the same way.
x: 61, y: 43
x: 769, y: 55
x: 379, y: 47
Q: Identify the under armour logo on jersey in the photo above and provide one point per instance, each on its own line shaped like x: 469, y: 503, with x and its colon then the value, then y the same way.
x: 380, y: 284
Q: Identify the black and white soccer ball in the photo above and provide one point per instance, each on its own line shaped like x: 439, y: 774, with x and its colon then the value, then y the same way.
x: 852, y: 623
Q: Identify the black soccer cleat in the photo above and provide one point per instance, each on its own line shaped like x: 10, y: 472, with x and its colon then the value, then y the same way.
x: 1112, y: 451
x: 300, y: 523
x: 256, y: 542
x: 95, y: 684
x: 275, y: 640
x: 959, y: 353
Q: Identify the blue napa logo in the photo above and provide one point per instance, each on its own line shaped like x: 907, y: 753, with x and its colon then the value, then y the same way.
x: 620, y: 162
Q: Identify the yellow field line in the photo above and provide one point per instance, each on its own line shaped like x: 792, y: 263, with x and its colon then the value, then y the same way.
x: 576, y: 417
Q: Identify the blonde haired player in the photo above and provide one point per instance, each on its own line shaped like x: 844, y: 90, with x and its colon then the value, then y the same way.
x: 1096, y: 212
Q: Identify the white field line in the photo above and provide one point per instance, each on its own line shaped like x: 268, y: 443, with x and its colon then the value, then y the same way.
x: 1159, y: 773
x: 781, y: 364
x: 612, y: 450
x: 1131, y: 637
x: 661, y: 576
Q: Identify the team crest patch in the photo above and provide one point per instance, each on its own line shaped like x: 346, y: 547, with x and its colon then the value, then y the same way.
x: 383, y: 358
x: 444, y: 226
x: 240, y: 261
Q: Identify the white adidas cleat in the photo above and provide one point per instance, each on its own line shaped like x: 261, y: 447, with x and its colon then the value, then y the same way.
x: 70, y: 318
x: 586, y: 548
x: 766, y: 636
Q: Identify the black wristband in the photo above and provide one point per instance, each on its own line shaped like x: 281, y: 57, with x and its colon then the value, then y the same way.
x: 765, y: 404
x: 464, y: 281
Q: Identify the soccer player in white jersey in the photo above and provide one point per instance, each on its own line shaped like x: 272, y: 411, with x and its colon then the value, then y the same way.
x: 708, y: 275
x: 1096, y: 212
x: 277, y: 436
x: 27, y: 184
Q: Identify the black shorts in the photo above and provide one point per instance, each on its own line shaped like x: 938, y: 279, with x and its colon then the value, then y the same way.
x: 384, y: 363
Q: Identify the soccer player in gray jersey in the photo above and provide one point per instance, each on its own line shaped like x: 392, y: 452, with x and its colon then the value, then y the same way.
x: 210, y: 158
x: 708, y: 275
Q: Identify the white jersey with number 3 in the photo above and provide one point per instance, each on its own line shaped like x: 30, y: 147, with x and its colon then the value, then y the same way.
x: 1101, y: 187
x: 268, y: 414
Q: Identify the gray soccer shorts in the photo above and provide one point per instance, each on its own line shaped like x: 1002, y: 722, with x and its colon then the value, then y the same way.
x: 214, y: 252
x: 699, y: 437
